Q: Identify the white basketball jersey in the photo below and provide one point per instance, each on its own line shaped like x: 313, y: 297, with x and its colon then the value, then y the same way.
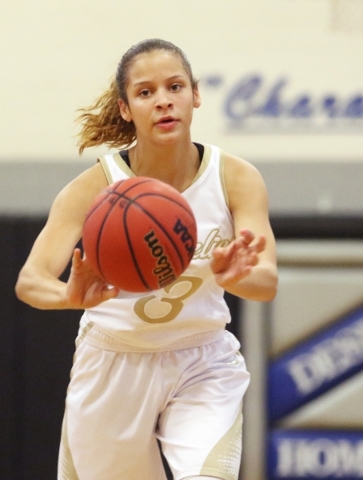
x: 191, y: 309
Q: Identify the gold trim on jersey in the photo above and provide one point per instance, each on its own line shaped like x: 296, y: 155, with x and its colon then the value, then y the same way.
x: 213, y: 240
x: 222, y: 160
x: 120, y: 162
x: 204, y: 163
x: 203, y: 166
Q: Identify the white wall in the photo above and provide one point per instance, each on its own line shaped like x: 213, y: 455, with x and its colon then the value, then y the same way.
x: 57, y: 56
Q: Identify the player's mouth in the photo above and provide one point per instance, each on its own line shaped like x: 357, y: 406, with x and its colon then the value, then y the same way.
x: 167, y: 123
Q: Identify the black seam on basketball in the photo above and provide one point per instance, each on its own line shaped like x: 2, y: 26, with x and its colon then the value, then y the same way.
x: 95, y: 207
x: 130, y: 200
x: 165, y: 196
x: 89, y: 215
x: 159, y: 195
x: 120, y: 182
x: 131, y: 249
x: 162, y: 195
x: 100, y: 233
x: 155, y: 194
x: 143, y: 209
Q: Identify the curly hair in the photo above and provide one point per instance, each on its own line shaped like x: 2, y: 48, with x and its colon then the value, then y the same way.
x: 102, y: 123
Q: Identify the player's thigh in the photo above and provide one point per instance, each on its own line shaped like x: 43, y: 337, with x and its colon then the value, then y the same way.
x: 112, y: 409
x: 201, y: 428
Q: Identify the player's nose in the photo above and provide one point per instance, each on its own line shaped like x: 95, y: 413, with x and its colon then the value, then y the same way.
x: 163, y: 99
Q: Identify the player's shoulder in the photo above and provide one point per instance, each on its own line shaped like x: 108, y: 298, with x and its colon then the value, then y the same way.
x: 92, y: 178
x: 83, y: 188
x: 237, y: 167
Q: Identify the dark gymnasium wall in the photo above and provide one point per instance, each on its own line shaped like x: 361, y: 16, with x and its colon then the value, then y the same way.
x: 36, y: 356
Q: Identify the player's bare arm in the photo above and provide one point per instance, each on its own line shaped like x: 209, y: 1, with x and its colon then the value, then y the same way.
x: 38, y: 283
x: 247, y: 267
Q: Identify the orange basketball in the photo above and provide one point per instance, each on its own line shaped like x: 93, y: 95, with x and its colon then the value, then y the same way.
x: 140, y: 234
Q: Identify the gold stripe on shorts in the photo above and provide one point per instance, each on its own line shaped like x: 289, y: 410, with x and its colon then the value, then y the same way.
x: 66, y: 470
x: 225, y: 457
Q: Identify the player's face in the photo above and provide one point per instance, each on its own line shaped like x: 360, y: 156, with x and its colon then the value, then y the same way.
x: 160, y: 98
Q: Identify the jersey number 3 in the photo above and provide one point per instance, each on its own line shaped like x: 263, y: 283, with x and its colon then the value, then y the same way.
x: 152, y: 309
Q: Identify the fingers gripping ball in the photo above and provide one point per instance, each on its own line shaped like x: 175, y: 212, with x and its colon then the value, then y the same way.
x: 140, y: 234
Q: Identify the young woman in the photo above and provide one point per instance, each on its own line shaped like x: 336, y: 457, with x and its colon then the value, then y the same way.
x: 156, y: 366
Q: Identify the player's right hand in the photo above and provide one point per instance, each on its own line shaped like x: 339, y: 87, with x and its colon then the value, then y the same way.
x: 84, y: 288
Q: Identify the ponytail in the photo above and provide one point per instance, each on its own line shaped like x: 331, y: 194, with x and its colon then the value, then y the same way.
x: 102, y: 124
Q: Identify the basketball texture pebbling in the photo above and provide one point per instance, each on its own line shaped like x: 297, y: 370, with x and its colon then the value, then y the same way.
x: 140, y: 234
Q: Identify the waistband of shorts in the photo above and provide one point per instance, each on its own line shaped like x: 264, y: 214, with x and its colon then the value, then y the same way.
x: 93, y: 336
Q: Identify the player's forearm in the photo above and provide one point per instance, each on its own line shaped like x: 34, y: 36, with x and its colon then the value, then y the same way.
x: 260, y: 285
x: 41, y: 291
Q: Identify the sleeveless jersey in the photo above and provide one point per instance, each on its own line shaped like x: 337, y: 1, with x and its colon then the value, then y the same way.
x: 191, y: 310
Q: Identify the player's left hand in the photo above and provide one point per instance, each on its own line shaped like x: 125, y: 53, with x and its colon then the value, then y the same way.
x: 233, y: 263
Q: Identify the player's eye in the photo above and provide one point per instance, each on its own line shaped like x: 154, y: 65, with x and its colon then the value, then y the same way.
x: 175, y: 87
x: 144, y: 92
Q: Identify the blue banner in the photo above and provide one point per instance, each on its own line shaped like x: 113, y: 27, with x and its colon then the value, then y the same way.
x: 316, y: 365
x: 295, y: 455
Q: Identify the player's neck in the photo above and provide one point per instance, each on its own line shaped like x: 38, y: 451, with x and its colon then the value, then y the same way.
x: 176, y: 165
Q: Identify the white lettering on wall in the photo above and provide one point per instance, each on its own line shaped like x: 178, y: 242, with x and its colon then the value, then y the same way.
x: 320, y: 458
x: 328, y: 359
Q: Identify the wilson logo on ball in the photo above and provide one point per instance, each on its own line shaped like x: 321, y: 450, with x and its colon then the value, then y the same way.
x: 187, y: 238
x: 163, y: 271
x: 131, y: 219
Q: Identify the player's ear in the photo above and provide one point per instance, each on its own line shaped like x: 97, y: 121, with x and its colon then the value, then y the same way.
x: 196, y: 97
x: 124, y: 110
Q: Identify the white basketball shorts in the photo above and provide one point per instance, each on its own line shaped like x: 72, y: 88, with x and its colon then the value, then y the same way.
x: 118, y: 404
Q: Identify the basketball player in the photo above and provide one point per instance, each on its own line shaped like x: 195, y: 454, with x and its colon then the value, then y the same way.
x: 156, y: 366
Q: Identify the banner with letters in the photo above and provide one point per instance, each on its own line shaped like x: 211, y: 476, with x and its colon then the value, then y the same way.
x: 295, y: 455
x: 316, y: 365
x: 259, y: 104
